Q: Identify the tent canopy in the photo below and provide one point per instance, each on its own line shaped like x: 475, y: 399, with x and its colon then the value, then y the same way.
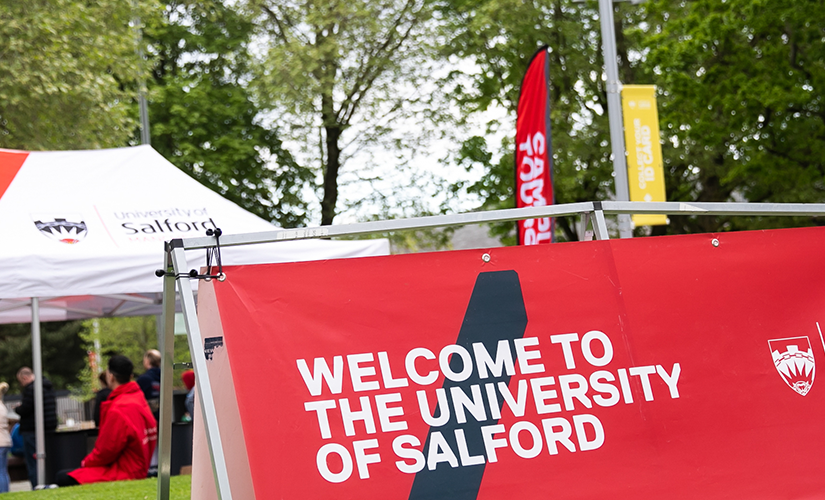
x: 84, y: 231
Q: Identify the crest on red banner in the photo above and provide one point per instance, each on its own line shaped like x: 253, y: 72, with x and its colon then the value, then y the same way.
x: 794, y: 360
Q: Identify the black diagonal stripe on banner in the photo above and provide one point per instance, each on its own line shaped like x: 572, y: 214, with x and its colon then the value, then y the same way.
x: 495, y: 312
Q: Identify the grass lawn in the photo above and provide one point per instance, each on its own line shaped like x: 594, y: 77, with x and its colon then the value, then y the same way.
x: 121, y: 490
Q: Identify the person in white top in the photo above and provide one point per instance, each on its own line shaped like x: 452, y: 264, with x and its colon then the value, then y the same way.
x: 5, y: 441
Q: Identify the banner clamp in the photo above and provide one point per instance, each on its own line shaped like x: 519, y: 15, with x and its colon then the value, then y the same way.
x: 211, y: 253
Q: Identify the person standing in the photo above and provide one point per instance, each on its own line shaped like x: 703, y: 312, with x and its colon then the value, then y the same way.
x: 128, y: 433
x: 26, y: 411
x: 5, y: 441
x: 149, y: 382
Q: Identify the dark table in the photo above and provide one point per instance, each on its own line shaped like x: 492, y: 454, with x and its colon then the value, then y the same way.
x: 66, y: 449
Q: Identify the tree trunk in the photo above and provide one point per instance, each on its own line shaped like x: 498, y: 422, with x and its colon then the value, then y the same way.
x: 625, y: 71
x: 333, y: 134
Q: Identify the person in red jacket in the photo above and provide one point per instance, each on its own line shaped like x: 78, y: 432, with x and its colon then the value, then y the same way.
x: 127, y: 437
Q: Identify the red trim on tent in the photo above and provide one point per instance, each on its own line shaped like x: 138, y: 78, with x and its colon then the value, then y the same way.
x: 10, y: 163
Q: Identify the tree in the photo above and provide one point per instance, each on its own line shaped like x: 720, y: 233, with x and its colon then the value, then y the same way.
x: 62, y: 352
x: 128, y: 336
x: 203, y: 118
x: 741, y: 108
x: 67, y: 79
x: 68, y: 67
x: 338, y: 74
x: 739, y: 84
x: 500, y: 36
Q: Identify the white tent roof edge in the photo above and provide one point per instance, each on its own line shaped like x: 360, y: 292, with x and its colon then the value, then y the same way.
x: 83, y: 231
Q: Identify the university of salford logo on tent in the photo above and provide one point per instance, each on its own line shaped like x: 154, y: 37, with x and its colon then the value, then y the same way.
x: 69, y: 228
x: 794, y: 360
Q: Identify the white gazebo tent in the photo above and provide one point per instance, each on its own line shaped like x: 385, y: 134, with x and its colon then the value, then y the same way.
x: 83, y: 233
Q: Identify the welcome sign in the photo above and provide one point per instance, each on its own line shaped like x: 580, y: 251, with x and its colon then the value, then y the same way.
x: 648, y: 368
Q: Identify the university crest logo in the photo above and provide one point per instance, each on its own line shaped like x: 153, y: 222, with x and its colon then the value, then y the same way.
x: 794, y: 360
x: 68, y: 229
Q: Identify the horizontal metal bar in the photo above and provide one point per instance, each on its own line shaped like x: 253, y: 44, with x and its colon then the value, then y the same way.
x: 127, y: 311
x: 87, y: 312
x: 742, y: 209
x: 131, y: 298
x: 512, y: 214
x: 7, y: 305
x: 115, y: 309
x: 10, y: 304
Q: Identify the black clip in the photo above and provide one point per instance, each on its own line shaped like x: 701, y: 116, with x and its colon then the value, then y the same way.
x: 211, y: 252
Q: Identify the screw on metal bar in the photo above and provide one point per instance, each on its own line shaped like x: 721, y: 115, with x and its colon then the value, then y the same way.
x: 486, y: 257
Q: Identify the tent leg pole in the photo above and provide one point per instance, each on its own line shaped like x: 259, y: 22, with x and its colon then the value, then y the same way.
x: 37, y: 362
x: 203, y: 384
x: 166, y: 334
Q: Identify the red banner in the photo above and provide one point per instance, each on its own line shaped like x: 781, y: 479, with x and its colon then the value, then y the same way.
x: 534, y: 156
x: 670, y: 367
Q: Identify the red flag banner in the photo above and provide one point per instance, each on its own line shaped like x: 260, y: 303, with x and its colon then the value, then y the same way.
x: 534, y: 158
x: 646, y: 368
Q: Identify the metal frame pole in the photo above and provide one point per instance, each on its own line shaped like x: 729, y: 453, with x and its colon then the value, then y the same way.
x: 37, y: 365
x: 600, y: 225
x: 512, y: 214
x: 210, y: 418
x: 167, y: 343
x: 614, y: 112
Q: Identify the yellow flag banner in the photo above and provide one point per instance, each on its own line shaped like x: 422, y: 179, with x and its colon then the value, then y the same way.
x: 645, y: 171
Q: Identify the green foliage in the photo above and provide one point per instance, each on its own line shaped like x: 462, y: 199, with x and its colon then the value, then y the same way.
x: 65, y: 347
x: 497, y: 186
x: 203, y: 118
x: 144, y: 489
x: 128, y: 336
x: 67, y: 71
x: 501, y: 36
x: 131, y: 337
x: 740, y: 85
x: 62, y: 352
x: 741, y: 106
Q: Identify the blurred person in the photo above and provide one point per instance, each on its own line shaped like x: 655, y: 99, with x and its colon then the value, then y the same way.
x: 5, y: 441
x: 16, y: 441
x: 26, y: 411
x: 100, y: 396
x: 188, y: 378
x: 127, y: 437
x: 149, y: 382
